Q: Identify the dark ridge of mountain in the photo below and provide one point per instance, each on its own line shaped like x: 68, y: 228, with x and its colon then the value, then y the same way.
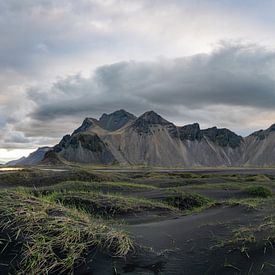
x: 115, y: 120
x: 262, y: 134
x: 152, y: 140
x: 62, y: 144
x: 188, y: 132
x: 84, y: 147
x: 87, y: 124
x: 223, y: 137
x: 109, y: 122
x: 51, y: 158
x: 143, y: 123
x: 33, y: 158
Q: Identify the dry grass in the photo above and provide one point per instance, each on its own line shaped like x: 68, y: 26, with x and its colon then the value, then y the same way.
x: 55, y: 239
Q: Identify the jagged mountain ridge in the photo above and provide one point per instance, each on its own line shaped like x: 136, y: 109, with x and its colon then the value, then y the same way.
x: 149, y: 139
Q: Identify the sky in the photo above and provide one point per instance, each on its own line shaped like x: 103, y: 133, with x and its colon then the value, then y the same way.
x: 205, y: 61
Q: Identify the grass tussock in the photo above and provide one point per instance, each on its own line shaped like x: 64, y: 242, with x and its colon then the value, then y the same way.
x: 54, y: 239
x: 188, y: 201
x: 258, y: 191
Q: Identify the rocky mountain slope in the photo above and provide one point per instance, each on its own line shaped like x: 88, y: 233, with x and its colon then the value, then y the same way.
x: 122, y: 138
x: 33, y: 158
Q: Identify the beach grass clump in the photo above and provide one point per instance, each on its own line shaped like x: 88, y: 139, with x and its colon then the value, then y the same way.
x: 108, y: 205
x: 55, y: 240
x: 187, y: 201
x: 258, y: 191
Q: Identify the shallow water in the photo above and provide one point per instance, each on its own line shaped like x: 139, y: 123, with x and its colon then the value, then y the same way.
x: 54, y: 170
x: 5, y: 169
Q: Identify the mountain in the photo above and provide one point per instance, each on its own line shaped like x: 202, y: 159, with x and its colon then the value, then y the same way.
x: 109, y: 122
x: 115, y: 120
x: 16, y: 161
x: 149, y: 139
x: 33, y: 158
x: 260, y: 148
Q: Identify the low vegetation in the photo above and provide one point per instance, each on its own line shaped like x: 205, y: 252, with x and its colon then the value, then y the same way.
x: 258, y: 191
x: 248, y: 203
x: 108, y: 205
x: 36, y: 177
x: 188, y: 201
x: 248, y: 239
x: 92, y: 186
x: 54, y: 239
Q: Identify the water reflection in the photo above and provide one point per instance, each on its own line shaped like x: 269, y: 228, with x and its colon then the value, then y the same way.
x: 10, y: 169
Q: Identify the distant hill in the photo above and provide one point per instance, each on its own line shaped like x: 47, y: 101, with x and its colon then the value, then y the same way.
x: 33, y: 158
x: 149, y: 139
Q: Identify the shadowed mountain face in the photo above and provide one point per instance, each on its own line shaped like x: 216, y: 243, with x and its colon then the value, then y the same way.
x: 122, y: 138
x: 116, y: 120
x: 262, y: 134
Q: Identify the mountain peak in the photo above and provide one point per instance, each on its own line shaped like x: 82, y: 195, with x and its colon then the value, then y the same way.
x: 271, y: 128
x: 153, y: 118
x: 120, y: 112
x: 143, y: 123
x: 115, y: 120
x: 87, y: 123
x: 262, y: 134
x: 223, y: 137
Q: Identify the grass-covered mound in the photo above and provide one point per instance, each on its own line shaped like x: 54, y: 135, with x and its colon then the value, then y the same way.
x: 258, y: 191
x: 82, y: 186
x: 51, y: 238
x: 38, y: 177
x: 108, y: 205
x: 257, y: 178
x: 188, y: 201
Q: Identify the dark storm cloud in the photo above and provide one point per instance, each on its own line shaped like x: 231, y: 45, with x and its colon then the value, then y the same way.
x: 234, y: 75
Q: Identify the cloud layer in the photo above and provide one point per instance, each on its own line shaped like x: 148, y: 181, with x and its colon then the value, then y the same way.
x: 233, y: 75
x: 61, y: 61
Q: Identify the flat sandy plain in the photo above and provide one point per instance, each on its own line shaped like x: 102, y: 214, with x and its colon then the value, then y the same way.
x: 95, y: 220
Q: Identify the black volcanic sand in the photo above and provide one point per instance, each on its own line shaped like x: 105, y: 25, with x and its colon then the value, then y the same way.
x: 189, y: 245
x: 219, y: 194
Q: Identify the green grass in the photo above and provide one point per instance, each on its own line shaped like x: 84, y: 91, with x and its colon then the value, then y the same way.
x: 189, y: 202
x: 108, y: 205
x: 55, y: 239
x: 35, y: 177
x: 257, y: 178
x: 258, y: 191
x: 82, y: 186
x: 249, y: 203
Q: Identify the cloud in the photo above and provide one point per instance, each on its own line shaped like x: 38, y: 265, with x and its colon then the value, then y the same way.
x: 53, y: 60
x: 232, y: 75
